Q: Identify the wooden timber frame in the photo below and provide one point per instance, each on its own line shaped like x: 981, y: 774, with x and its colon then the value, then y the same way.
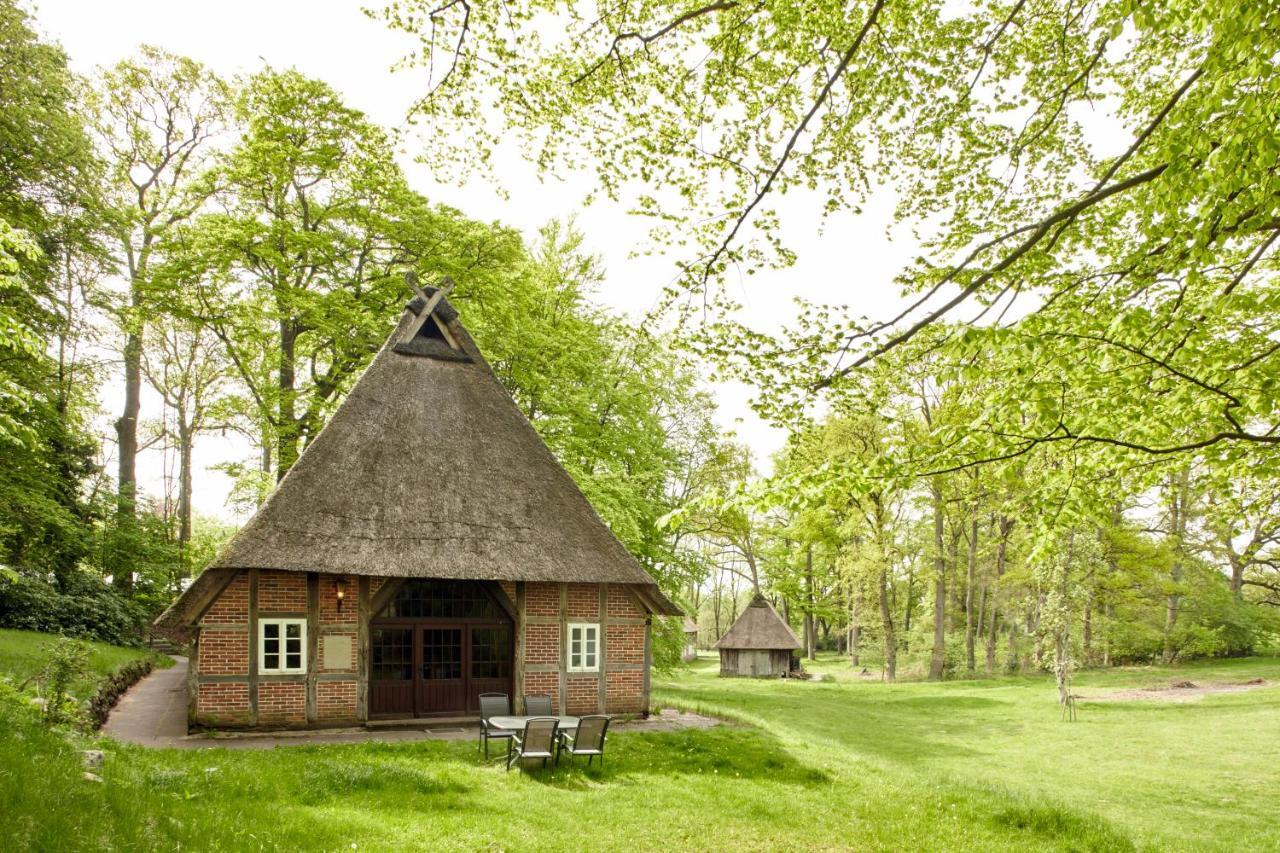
x: 561, y: 667
x: 370, y: 603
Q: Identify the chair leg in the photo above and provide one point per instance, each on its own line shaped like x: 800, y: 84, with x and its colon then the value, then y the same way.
x: 486, y: 748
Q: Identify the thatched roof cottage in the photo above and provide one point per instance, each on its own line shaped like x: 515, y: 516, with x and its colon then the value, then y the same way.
x: 760, y: 643
x: 425, y: 548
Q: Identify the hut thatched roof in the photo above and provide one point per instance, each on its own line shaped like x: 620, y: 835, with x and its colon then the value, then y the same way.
x: 690, y: 627
x: 759, y: 627
x: 428, y: 469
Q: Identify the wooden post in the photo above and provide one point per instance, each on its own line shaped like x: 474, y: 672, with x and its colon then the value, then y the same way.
x: 193, y: 680
x: 648, y: 659
x: 363, y: 615
x: 564, y: 648
x: 313, y: 643
x: 253, y: 647
x: 517, y: 667
x: 602, y: 650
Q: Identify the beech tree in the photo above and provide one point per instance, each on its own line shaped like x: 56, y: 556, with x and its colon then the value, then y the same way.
x: 154, y: 118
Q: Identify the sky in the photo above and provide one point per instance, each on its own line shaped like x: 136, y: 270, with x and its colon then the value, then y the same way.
x: 847, y: 261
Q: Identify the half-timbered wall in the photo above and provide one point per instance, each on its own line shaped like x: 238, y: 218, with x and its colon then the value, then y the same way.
x: 229, y: 690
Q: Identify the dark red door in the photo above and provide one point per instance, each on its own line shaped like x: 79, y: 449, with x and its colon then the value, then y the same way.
x: 392, y: 663
x: 435, y: 647
x: 442, y: 683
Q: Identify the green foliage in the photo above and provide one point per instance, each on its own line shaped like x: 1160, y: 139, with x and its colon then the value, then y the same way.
x: 82, y: 607
x: 67, y: 661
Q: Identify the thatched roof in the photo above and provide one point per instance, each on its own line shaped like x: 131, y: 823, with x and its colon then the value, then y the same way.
x: 759, y: 627
x: 690, y: 627
x: 428, y: 469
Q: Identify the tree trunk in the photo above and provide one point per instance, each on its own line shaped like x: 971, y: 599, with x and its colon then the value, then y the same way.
x: 185, y: 441
x: 1178, y: 528
x: 938, y: 660
x: 287, y: 426
x: 810, y: 641
x: 906, y: 616
x: 968, y: 594
x: 855, y: 627
x: 886, y: 628
x: 1002, y: 552
x: 127, y: 445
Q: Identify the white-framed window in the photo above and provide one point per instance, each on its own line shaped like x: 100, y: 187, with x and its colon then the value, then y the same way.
x: 282, y: 645
x: 584, y: 647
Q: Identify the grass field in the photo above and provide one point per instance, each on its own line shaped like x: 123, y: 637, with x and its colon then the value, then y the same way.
x: 22, y: 656
x: 835, y: 765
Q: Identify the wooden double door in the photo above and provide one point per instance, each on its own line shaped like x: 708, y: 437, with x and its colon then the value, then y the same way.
x: 433, y: 652
x: 434, y: 668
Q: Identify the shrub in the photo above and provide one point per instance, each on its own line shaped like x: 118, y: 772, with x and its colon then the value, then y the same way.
x: 85, y: 607
x: 68, y: 660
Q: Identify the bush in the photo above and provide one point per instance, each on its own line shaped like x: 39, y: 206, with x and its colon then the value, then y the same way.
x: 85, y: 607
x: 68, y: 661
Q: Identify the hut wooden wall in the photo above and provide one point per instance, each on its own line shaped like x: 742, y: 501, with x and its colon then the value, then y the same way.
x: 755, y: 663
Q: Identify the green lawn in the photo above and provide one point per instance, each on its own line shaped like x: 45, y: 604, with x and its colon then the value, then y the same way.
x: 22, y: 656
x: 836, y: 765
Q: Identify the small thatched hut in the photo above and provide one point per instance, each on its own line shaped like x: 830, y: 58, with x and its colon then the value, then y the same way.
x: 759, y: 644
x: 424, y: 549
x: 690, y: 640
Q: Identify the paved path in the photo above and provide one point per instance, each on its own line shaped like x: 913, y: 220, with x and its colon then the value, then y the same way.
x: 154, y: 713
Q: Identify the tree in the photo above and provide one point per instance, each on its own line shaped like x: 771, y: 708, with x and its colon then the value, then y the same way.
x: 47, y: 176
x: 1141, y: 334
x: 154, y: 118
x: 299, y: 268
x: 186, y: 367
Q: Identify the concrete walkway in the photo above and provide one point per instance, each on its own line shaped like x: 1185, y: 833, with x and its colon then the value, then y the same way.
x: 154, y: 713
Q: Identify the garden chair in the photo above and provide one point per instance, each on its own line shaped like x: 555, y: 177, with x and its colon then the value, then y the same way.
x: 494, y: 705
x: 588, y: 740
x: 538, y: 705
x: 538, y: 741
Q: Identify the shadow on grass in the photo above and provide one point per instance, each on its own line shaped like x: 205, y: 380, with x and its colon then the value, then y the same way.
x: 726, y: 752
x: 1058, y: 825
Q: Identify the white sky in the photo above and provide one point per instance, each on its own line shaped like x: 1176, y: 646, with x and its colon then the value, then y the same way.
x: 851, y: 263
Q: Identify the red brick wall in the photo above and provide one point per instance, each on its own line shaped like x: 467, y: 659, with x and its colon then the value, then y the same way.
x: 544, y: 682
x: 282, y: 592
x: 584, y: 602
x: 282, y: 702
x: 509, y: 588
x: 224, y: 652
x: 336, y: 700
x: 329, y: 613
x: 584, y: 694
x: 625, y: 691
x: 223, y: 703
x: 624, y: 644
x: 542, y: 599
x: 622, y: 605
x: 542, y: 644
x: 232, y: 606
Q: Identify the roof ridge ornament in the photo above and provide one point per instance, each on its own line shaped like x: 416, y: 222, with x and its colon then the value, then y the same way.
x: 430, y: 303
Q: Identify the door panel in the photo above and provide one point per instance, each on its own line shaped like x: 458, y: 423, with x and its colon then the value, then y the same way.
x: 442, y: 685
x: 391, y: 652
x: 489, y: 663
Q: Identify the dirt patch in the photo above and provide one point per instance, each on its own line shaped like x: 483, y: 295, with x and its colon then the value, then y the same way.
x: 1179, y: 691
x: 669, y: 720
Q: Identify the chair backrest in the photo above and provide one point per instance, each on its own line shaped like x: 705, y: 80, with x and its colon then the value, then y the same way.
x: 591, y: 732
x: 538, y: 705
x: 539, y: 734
x: 494, y: 705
